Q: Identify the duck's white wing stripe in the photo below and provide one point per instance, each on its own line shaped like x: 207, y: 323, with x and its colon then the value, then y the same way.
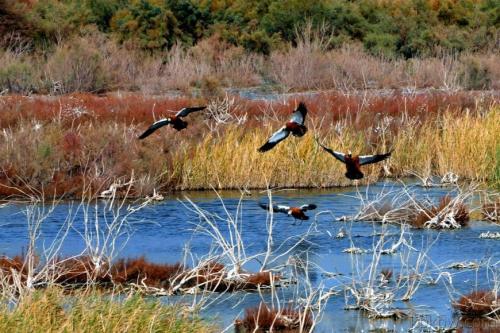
x: 279, y: 135
x: 185, y: 111
x: 281, y: 208
x: 154, y: 127
x: 338, y: 155
x: 367, y: 159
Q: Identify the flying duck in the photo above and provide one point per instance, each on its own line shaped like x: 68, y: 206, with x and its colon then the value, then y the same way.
x: 296, y: 212
x: 353, y: 163
x: 294, y: 126
x: 175, y: 121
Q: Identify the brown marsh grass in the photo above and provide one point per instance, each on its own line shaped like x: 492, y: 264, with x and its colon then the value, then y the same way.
x: 264, y: 319
x: 80, y: 144
x: 141, y: 271
x: 478, y: 303
x: 81, y: 271
x: 459, y: 210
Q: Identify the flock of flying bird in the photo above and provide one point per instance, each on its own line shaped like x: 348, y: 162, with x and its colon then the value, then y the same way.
x: 294, y: 126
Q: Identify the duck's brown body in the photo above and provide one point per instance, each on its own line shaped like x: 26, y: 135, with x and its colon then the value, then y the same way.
x: 296, y: 129
x: 298, y: 213
x: 353, y: 163
x: 294, y: 126
x: 178, y: 123
x: 353, y: 167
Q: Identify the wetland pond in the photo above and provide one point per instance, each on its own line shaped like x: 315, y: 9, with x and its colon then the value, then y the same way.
x: 164, y: 230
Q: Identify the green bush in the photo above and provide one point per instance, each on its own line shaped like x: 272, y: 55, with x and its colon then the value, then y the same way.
x: 192, y: 19
x: 54, y: 19
x: 258, y: 41
x: 147, y: 24
x: 475, y: 75
x: 341, y: 18
x: 17, y: 77
x: 381, y: 44
x: 101, y: 12
x: 407, y: 28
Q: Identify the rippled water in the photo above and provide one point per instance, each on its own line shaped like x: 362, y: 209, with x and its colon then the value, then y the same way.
x: 162, y: 231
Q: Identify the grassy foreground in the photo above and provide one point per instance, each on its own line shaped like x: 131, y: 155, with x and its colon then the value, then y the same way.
x: 51, y: 310
x: 76, y: 145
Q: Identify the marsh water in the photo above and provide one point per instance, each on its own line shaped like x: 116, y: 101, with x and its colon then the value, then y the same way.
x: 164, y: 230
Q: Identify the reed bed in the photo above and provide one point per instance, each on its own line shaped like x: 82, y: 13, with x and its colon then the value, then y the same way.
x: 81, y: 144
x: 54, y: 310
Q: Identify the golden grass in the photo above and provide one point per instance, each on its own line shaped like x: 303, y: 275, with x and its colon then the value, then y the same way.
x: 465, y: 145
x: 51, y: 310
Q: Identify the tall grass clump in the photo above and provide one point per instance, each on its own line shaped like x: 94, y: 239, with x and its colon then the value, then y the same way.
x: 54, y: 310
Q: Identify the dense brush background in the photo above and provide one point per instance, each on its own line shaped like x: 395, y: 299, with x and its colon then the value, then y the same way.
x: 57, y: 46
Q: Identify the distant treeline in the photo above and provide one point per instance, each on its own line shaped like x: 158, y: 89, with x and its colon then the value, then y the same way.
x: 392, y: 28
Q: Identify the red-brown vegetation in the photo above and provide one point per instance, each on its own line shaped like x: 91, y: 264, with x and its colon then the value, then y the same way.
x: 264, y: 319
x: 11, y: 266
x: 79, y: 271
x: 478, y: 303
x: 459, y: 211
x: 213, y: 276
x: 261, y: 279
x: 478, y: 325
x: 82, y: 270
x: 141, y: 271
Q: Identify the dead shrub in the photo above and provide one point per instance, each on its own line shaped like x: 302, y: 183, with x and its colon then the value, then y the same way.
x: 491, y: 211
x: 447, y: 208
x: 12, y: 266
x: 264, y: 319
x: 75, y: 66
x: 478, y: 303
x: 79, y: 271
